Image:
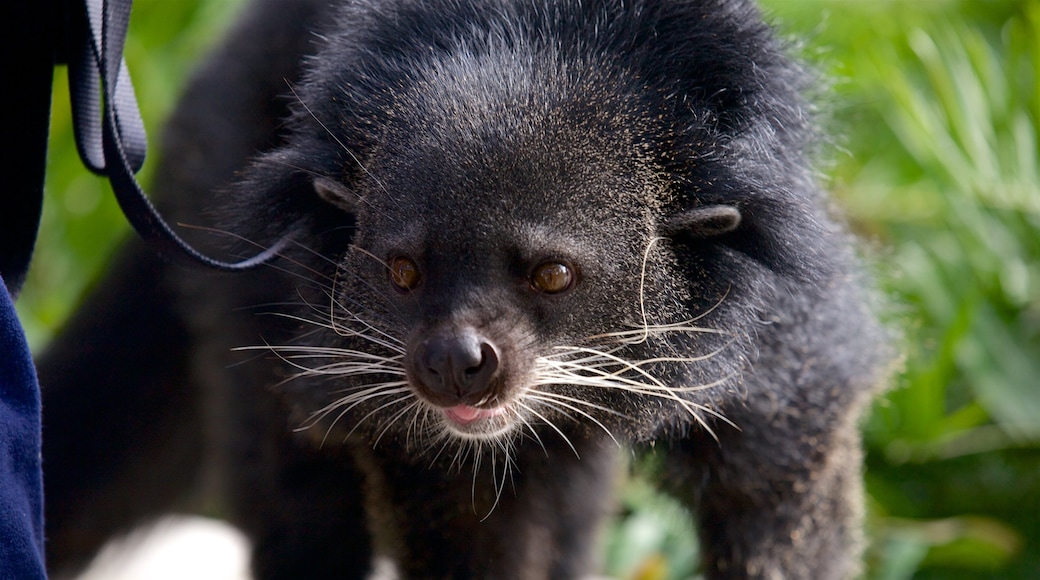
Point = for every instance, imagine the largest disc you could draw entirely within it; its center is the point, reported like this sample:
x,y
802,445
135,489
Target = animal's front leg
x,y
305,515
773,502
536,518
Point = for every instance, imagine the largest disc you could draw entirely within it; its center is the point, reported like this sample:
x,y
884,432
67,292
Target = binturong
x,y
528,239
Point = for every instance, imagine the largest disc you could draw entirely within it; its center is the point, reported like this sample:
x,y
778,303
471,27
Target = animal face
x,y
471,286
501,283
535,247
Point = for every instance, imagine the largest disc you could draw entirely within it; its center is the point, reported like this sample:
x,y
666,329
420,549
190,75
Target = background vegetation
x,y
935,109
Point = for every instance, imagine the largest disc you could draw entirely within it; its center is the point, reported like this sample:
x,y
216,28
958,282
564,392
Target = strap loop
x,y
112,142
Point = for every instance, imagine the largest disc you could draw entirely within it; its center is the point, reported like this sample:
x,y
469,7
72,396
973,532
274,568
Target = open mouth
x,y
476,423
464,415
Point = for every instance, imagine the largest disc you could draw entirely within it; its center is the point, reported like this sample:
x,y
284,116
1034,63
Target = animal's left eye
x,y
552,278
404,273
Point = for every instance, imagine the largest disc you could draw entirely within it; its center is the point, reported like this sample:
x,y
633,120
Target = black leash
x,y
118,152
110,135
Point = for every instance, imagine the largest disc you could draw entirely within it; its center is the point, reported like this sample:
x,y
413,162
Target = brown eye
x,y
404,273
552,278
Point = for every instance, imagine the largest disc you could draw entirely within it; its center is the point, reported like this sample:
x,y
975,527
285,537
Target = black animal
x,y
525,234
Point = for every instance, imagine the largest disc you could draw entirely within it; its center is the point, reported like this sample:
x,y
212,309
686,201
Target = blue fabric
x,y
21,489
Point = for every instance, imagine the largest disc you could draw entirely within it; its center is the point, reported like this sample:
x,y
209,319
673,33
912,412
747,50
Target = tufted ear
x,y
335,193
703,222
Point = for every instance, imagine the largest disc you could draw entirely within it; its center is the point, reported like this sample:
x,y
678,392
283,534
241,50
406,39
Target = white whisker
x,y
556,400
507,463
408,395
394,419
552,426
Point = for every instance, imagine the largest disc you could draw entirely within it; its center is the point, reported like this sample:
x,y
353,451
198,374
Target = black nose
x,y
455,368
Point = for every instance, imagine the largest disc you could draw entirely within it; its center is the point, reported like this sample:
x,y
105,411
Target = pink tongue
x,y
464,413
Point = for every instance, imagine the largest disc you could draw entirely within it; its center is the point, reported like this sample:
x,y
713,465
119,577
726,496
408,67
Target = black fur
x,y
495,203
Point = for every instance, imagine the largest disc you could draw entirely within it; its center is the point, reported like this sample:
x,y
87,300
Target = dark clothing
x,y
28,52
21,490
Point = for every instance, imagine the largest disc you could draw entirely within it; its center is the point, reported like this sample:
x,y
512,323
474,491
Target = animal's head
x,y
563,219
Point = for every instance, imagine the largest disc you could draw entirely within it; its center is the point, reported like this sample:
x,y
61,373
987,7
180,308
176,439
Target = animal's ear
x,y
278,193
786,238
336,194
703,222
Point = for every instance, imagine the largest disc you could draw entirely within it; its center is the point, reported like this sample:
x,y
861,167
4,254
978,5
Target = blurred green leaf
x,y
654,540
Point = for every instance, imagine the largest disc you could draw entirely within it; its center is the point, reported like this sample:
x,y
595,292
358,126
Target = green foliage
x,y
944,171
937,108
653,539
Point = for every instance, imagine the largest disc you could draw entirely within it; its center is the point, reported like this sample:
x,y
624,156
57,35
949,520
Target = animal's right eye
x,y
552,278
404,273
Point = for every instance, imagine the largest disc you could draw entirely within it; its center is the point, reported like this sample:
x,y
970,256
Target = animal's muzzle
x,y
455,368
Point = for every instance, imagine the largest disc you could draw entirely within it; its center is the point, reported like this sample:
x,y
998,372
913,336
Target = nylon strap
x,y
110,135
